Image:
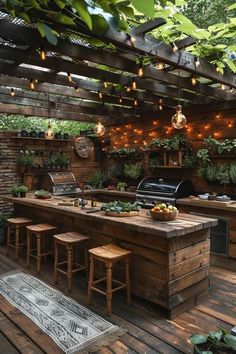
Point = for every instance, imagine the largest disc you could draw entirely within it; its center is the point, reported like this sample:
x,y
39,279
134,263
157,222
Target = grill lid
x,y
62,177
168,187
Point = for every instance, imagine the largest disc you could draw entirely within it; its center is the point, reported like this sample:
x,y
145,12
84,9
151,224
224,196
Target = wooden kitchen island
x,y
170,260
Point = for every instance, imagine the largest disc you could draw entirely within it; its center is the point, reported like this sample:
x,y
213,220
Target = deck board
x,y
147,331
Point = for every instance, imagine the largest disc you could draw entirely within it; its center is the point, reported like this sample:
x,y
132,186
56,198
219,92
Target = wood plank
x,y
41,339
6,347
15,334
187,266
188,253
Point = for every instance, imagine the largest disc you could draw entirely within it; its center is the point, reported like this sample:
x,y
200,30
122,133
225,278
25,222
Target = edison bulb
x,y
178,120
49,133
99,129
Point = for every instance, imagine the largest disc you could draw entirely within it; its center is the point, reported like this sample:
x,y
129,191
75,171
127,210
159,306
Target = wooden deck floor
x,y
147,331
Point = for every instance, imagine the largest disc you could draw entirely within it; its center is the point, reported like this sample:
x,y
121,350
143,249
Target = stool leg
x,y
127,279
55,262
90,282
28,247
8,238
69,266
38,259
17,242
109,287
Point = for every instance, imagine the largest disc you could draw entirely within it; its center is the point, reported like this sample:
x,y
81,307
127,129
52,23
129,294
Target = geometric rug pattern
x,y
74,328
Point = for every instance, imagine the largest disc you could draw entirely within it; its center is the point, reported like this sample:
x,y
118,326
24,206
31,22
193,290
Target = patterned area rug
x,y
72,326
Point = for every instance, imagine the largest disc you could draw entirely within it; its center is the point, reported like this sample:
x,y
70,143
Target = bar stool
x,y
41,231
14,228
109,254
69,240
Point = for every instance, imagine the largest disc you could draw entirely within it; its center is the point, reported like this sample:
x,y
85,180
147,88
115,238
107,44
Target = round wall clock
x,y
83,147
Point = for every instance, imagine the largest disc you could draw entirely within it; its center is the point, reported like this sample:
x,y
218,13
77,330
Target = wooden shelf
x,y
40,139
163,166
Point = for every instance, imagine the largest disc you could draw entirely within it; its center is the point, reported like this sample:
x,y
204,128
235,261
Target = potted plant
x,y
97,179
133,171
214,343
22,190
25,161
2,233
14,190
121,186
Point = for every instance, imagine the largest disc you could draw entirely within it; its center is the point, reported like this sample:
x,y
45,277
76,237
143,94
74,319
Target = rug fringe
x,y
102,342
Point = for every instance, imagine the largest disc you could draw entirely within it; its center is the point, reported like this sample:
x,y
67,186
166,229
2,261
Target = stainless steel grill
x,y
153,190
59,183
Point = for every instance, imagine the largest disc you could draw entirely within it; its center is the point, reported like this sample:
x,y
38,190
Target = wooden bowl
x,y
162,216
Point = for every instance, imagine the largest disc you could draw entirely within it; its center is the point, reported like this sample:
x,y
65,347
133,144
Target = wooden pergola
x,y
86,97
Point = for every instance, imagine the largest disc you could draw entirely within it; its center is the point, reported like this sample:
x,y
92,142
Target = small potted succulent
x,y
22,190
214,343
15,190
121,186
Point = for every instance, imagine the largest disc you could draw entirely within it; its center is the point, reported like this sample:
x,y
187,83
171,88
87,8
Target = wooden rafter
x,y
150,25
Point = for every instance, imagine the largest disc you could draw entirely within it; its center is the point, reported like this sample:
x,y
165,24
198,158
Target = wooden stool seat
x,y
108,254
69,240
41,232
14,225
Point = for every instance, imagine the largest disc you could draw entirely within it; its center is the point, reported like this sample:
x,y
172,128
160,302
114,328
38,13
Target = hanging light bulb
x,y
160,66
76,89
193,80
49,134
120,99
128,89
105,83
178,120
135,102
160,107
217,69
99,94
140,69
69,77
174,47
231,89
12,92
99,128
222,86
43,54
134,84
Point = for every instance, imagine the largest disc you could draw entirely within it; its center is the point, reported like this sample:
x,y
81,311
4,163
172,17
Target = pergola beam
x,y
29,36
150,25
185,42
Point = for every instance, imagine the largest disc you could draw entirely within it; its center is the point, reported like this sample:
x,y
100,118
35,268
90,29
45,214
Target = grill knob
x,y
160,180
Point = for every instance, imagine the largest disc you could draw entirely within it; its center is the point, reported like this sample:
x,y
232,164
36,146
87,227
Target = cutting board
x,y
214,202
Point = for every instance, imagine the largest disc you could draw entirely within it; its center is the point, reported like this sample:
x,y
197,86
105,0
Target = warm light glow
x,y
229,125
99,94
199,135
120,99
231,89
134,84
132,39
12,92
135,141
178,120
135,102
160,107
217,69
140,70
43,54
49,134
69,77
32,84
160,101
206,126
128,89
99,129
76,89
216,134
193,80
154,122
218,116
197,61
160,66
222,86
174,47
105,83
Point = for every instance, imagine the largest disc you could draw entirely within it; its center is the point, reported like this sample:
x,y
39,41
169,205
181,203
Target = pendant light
x,y
99,128
49,134
178,120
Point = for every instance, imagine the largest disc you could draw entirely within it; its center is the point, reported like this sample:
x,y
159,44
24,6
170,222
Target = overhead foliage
x,y
52,17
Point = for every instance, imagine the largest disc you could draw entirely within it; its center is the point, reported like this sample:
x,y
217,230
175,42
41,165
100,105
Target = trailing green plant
x,y
211,143
62,160
211,171
153,162
97,179
25,158
222,173
203,156
133,170
176,142
189,160
211,342
227,145
118,206
232,172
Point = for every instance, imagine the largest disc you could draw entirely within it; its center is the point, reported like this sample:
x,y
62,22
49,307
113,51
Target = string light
x,y
69,77
36,81
206,126
174,47
105,83
199,134
217,115
43,54
197,61
229,125
76,89
130,38
120,99
216,134
32,86
99,94
128,89
222,86
217,69
140,69
135,102
154,122
134,84
12,92
160,66
231,89
99,129
193,80
160,107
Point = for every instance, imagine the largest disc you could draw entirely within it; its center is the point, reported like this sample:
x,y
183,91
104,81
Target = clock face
x,y
83,147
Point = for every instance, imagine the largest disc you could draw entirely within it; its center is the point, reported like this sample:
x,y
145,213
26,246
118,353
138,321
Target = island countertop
x,y
169,263
184,224
211,204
